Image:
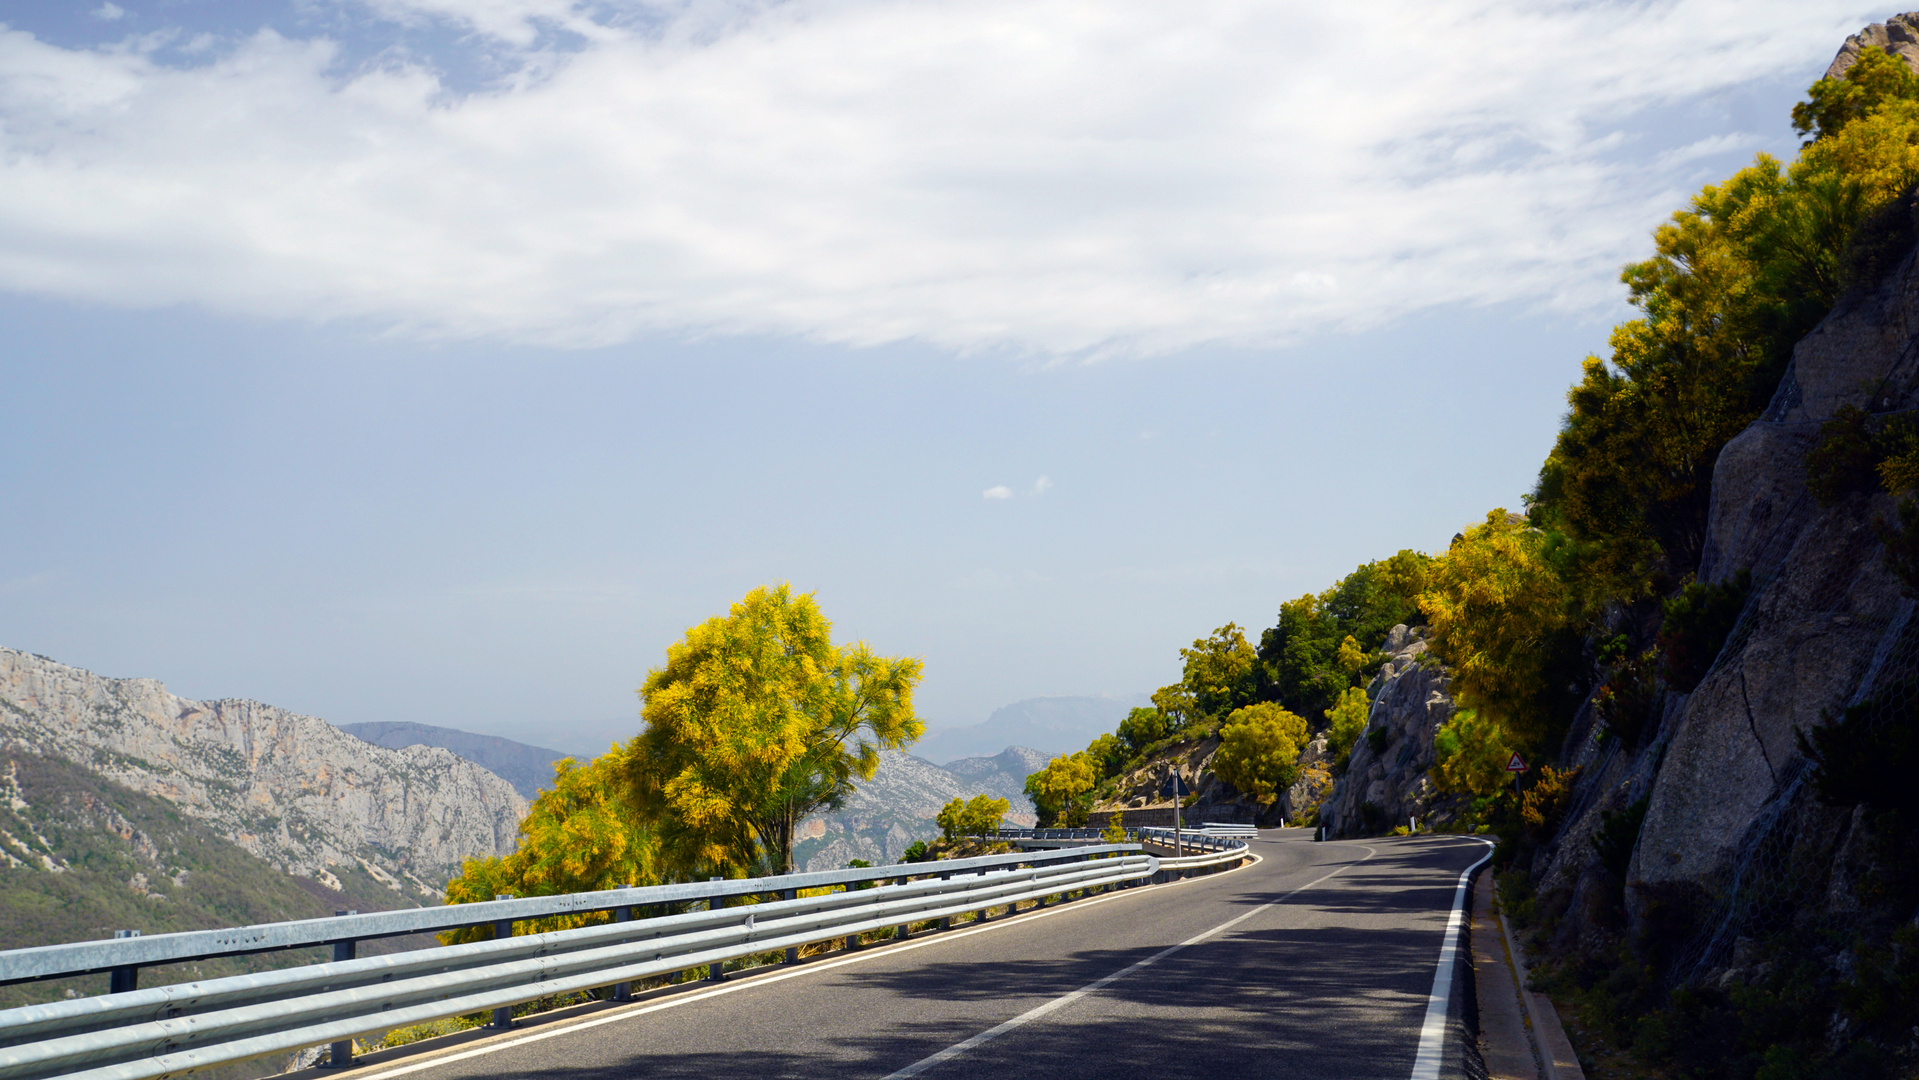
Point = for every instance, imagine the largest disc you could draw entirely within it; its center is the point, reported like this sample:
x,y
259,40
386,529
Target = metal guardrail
x,y
166,1030
1211,849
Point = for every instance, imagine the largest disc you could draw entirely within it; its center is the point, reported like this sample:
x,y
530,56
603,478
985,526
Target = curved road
x,y
1317,961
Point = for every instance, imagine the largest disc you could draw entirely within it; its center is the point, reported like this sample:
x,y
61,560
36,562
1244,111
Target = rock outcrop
x,y
527,768
1824,627
1386,780
290,789
1898,35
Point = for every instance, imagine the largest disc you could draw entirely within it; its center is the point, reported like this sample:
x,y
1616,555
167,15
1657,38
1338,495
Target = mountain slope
x,y
1053,725
527,768
289,789
897,806
81,857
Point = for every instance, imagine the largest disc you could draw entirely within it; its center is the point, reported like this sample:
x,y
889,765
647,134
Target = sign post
x,y
1516,766
1177,787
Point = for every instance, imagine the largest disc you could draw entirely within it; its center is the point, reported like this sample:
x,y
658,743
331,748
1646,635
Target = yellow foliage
x,y
1472,752
1259,750
979,816
1346,720
758,720
1496,607
580,835
1056,789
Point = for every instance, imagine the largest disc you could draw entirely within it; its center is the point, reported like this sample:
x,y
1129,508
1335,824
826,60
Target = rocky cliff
x,y
1385,781
290,789
1733,840
527,768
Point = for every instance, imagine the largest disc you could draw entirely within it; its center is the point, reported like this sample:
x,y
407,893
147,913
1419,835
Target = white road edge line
x,y
1035,1013
688,998
1432,1033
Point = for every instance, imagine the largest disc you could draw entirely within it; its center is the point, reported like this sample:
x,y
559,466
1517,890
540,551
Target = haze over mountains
x,y
1050,725
128,806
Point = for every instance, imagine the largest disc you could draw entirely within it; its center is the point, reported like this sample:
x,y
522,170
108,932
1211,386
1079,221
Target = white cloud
x,y
1041,486
109,11
998,491
1056,176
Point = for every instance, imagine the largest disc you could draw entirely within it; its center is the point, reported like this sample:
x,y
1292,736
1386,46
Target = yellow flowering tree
x,y
757,721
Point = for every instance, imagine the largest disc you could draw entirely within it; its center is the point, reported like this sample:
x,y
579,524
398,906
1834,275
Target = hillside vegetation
x,y
82,857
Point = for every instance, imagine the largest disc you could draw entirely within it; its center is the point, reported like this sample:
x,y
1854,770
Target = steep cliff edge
x,y
290,789
1734,844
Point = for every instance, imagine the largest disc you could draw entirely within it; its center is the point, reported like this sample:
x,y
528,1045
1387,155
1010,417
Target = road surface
x,y
1315,962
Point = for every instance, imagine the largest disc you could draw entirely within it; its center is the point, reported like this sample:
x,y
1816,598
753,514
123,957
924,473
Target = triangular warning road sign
x,y
1517,764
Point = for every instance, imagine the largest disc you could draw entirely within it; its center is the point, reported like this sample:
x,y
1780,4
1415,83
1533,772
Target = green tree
x,y
1060,789
1874,79
1108,754
978,816
1345,721
1306,660
1471,751
756,722
1259,750
1143,727
1499,612
1115,830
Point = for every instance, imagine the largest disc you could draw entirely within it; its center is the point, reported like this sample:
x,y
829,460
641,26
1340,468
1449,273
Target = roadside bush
x,y
1696,622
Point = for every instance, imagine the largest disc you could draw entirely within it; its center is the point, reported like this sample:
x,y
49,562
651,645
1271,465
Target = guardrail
x,y
1209,849
133,1034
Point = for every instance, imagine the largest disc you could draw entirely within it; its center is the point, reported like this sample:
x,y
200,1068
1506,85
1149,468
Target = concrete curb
x,y
1556,1058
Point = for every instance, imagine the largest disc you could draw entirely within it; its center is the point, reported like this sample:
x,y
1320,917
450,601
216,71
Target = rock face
x,y
897,806
527,768
290,789
1898,35
1386,778
1728,811
1825,624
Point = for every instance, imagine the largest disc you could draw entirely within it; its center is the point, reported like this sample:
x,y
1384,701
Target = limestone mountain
x,y
82,857
289,789
897,806
527,768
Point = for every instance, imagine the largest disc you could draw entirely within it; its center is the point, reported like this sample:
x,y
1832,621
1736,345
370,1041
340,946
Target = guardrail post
x,y
623,991
340,1055
905,929
122,980
946,921
502,929
792,951
716,971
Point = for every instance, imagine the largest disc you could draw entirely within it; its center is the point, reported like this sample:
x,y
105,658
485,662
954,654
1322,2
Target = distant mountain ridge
x,y
290,789
1050,725
897,806
527,768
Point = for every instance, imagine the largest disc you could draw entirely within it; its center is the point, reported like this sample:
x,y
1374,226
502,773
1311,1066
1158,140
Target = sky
x,y
444,360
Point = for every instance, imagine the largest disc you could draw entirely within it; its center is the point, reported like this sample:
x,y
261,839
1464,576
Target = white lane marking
x,y
1432,1034
689,997
1035,1013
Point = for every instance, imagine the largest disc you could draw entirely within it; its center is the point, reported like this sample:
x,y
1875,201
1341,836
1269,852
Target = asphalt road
x,y
1316,962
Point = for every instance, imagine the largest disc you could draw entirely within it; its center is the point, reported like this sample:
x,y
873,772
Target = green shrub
x,y
1902,547
1696,622
1614,840
1865,754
